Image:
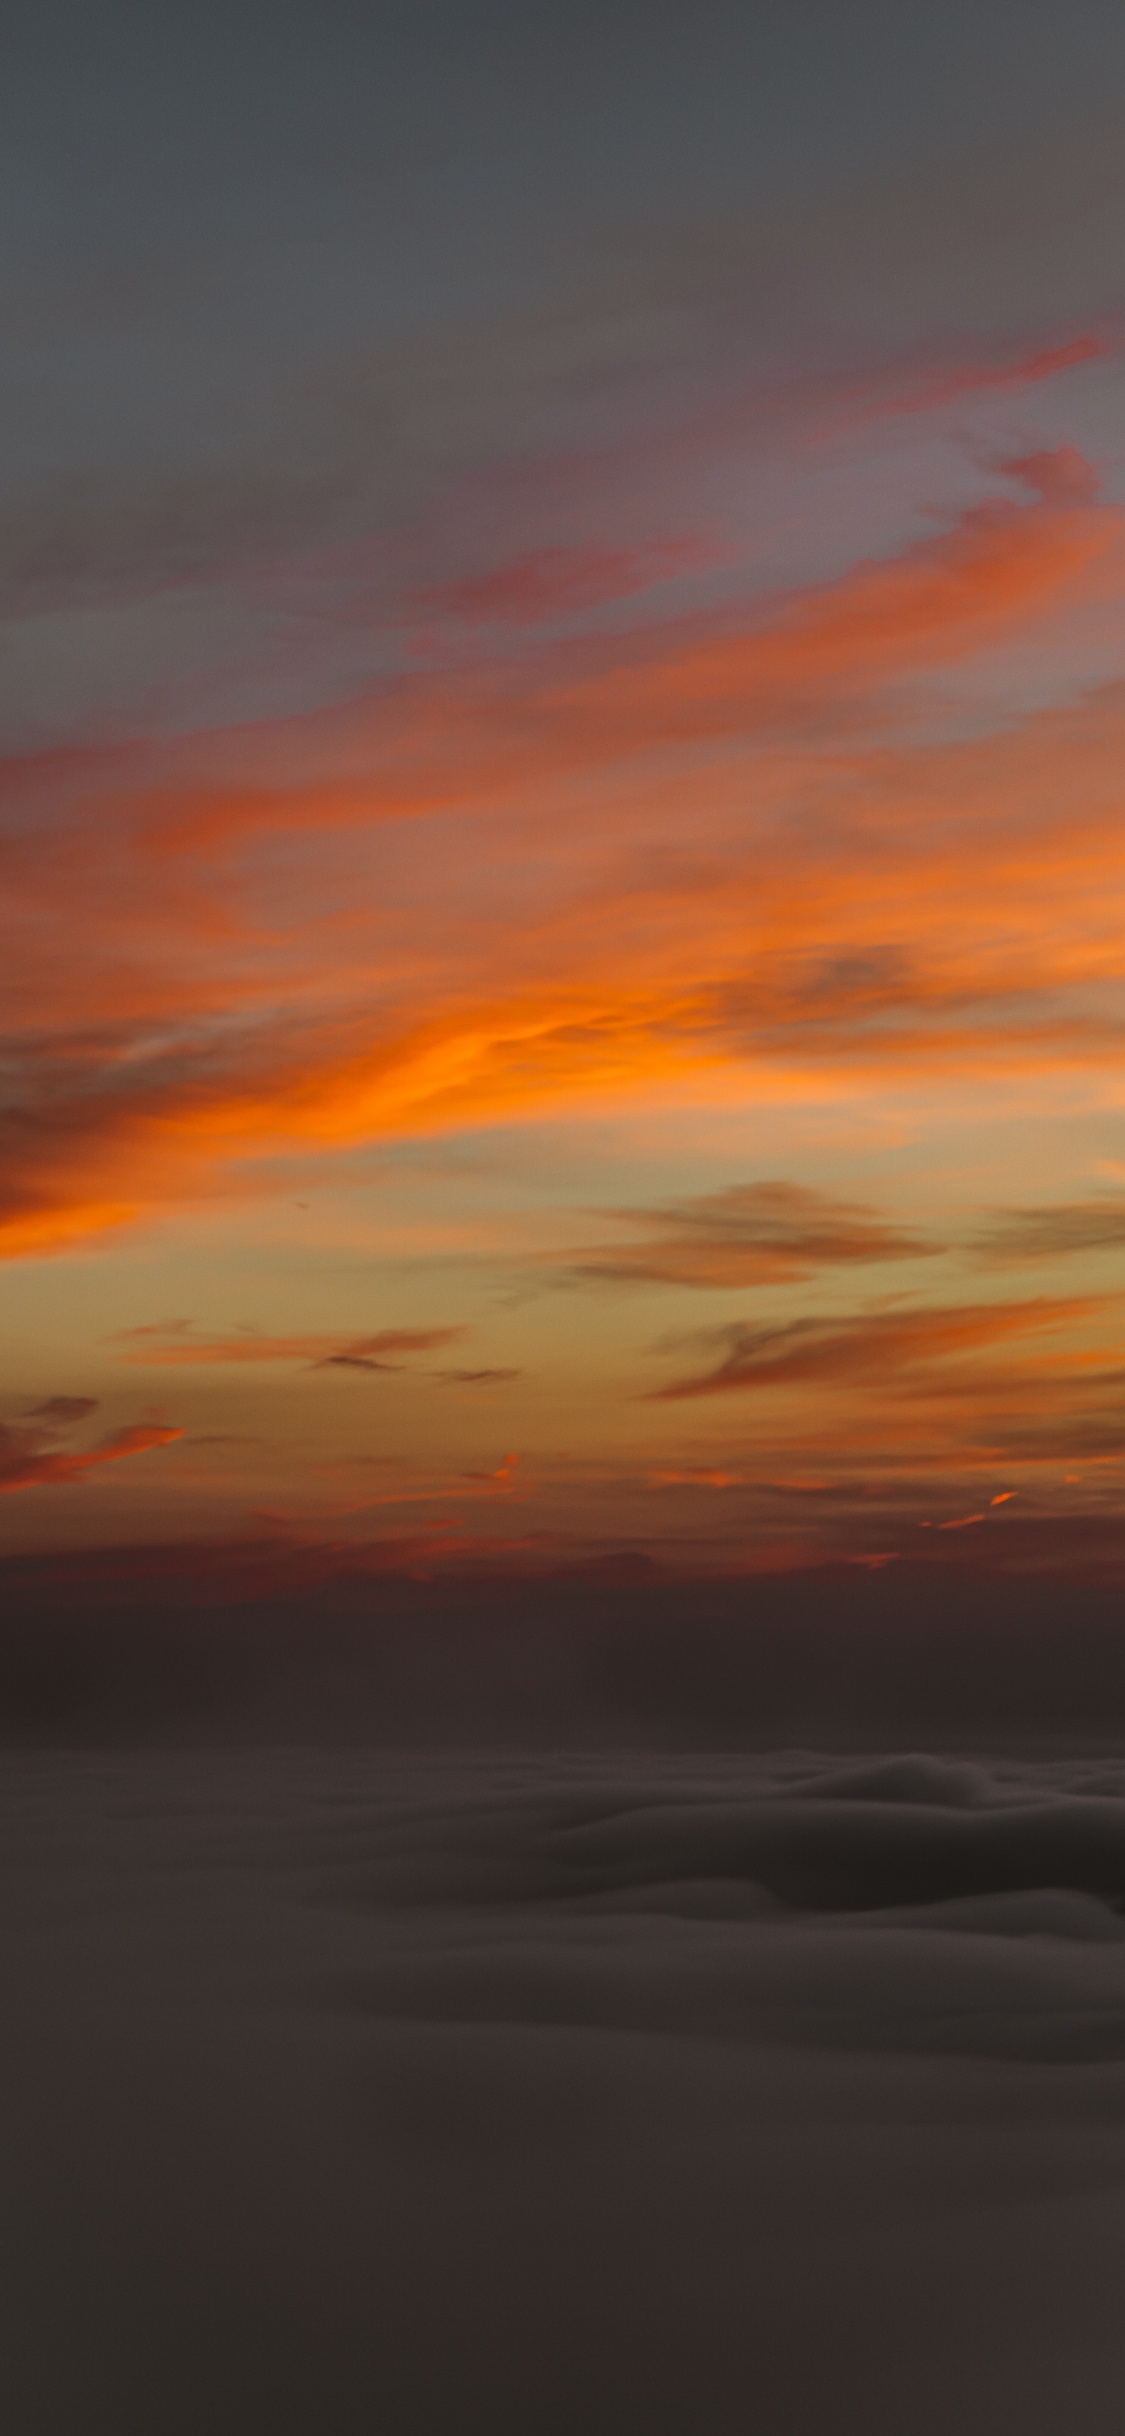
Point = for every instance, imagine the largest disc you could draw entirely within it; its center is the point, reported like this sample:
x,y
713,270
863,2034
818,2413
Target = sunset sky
x,y
563,782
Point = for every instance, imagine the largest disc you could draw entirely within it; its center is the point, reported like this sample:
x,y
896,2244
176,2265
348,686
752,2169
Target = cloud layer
x,y
573,2084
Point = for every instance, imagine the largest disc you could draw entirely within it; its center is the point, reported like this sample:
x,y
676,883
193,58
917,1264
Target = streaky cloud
x,y
1058,1231
746,1235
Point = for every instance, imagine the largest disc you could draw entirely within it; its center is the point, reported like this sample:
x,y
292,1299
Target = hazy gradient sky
x,y
563,724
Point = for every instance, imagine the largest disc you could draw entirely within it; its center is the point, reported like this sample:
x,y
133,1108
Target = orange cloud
x,y
940,603
465,738
26,1464
547,584
910,390
705,858
877,1347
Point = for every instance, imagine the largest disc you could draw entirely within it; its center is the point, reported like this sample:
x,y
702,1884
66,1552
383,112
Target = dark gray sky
x,y
224,227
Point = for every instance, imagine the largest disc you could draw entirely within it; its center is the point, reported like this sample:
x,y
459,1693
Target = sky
x,y
563,709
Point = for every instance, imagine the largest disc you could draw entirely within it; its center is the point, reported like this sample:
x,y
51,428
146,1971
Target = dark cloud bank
x,y
270,1640
756,2085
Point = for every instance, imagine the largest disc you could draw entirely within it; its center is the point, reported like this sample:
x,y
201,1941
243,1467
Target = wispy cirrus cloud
x,y
746,1235
469,736
918,389
63,1412
98,535
547,585
1059,1231
173,1346
478,1378
879,1348
751,1235
26,1462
